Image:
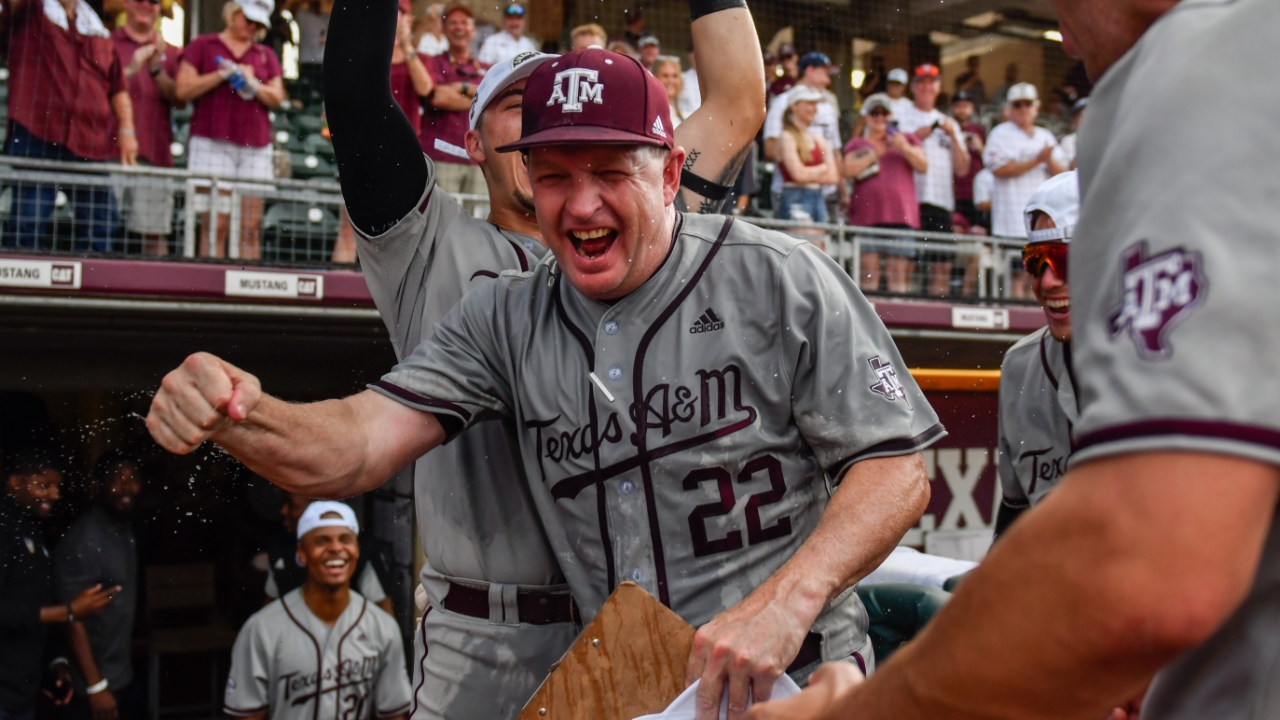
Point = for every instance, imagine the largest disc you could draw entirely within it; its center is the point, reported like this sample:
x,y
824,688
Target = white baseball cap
x,y
500,76
1022,91
804,93
258,11
878,100
312,517
1059,198
899,75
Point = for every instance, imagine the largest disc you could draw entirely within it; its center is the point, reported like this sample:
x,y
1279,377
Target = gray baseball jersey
x,y
1177,310
1037,410
688,436
475,524
289,665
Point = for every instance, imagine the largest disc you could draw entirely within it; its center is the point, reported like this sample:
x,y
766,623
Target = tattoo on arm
x,y
727,175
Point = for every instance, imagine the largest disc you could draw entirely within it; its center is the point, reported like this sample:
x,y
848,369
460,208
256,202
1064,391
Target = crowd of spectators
x,y
917,159
972,156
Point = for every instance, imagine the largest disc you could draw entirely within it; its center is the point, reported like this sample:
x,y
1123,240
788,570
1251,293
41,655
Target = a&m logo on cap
x,y
576,86
1159,292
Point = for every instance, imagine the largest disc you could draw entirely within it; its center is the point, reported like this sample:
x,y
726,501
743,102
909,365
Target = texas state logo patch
x,y
1159,291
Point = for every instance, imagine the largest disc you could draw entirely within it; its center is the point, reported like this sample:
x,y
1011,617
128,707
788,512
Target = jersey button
x,y
611,328
615,372
627,487
636,575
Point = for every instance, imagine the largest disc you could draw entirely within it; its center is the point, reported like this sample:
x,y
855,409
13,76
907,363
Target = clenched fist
x,y
200,398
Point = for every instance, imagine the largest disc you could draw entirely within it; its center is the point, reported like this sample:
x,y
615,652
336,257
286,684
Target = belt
x,y
536,607
810,653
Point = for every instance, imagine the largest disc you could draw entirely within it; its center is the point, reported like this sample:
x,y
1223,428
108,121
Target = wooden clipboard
x,y
629,661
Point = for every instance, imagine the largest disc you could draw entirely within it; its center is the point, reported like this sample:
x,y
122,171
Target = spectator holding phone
x,y
940,137
99,550
234,82
882,165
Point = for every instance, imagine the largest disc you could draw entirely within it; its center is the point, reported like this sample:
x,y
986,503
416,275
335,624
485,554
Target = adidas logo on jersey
x,y
658,128
709,322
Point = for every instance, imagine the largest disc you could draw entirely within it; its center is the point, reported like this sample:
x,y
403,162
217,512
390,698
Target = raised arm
x,y
333,448
380,162
719,134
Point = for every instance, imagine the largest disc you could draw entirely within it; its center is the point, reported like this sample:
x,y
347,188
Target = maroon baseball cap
x,y
593,96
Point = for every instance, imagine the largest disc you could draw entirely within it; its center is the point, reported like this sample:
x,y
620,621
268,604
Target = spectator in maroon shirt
x,y
455,75
410,80
230,128
66,87
150,66
883,164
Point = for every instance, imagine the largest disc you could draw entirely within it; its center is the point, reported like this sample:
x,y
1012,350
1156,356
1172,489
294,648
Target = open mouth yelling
x,y
1058,308
592,244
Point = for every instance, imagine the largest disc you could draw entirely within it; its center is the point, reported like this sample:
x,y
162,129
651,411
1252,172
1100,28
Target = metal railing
x,y
108,209
916,263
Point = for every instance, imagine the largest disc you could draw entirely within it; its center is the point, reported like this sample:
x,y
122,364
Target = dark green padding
x,y
898,611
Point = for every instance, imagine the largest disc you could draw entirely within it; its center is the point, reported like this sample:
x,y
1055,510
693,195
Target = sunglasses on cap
x,y
1038,256
514,10
879,112
927,71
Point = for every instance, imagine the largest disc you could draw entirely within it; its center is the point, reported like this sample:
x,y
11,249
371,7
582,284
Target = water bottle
x,y
235,77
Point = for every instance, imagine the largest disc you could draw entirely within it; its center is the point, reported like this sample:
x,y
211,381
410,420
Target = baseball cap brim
x,y
484,95
579,135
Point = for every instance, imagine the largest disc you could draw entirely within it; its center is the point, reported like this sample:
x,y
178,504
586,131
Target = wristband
x,y
122,131
698,8
155,70
97,687
703,186
71,616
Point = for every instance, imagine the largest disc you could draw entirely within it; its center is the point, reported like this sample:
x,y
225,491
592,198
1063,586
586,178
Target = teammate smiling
x,y
321,651
1038,403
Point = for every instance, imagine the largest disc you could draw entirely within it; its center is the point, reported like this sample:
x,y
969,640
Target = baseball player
x,y
1160,549
707,408
322,651
1038,404
420,253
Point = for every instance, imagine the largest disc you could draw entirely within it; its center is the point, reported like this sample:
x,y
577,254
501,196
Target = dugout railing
x,y
61,208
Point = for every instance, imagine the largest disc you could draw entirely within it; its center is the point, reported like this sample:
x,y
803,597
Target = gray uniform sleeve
x,y
1177,319
394,264
249,682
391,695
458,372
851,395
369,585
